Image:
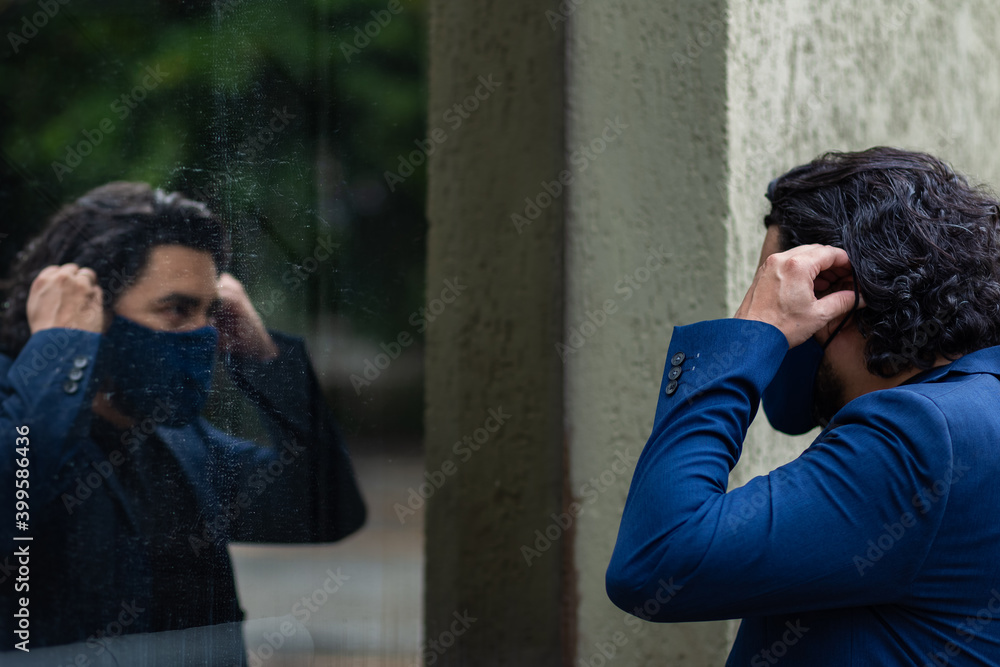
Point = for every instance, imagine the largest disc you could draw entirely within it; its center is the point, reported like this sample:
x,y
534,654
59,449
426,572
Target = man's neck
x,y
104,408
869,382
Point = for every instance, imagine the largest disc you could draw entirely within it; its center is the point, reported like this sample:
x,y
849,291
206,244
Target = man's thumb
x,y
838,304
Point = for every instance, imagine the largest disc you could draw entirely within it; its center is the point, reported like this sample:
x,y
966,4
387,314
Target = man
x,y
112,322
875,312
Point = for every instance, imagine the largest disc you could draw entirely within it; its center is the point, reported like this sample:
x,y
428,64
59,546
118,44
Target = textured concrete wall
x,y
492,347
655,190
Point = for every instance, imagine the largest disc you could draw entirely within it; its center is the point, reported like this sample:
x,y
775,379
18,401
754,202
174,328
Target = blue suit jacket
x,y
88,568
878,545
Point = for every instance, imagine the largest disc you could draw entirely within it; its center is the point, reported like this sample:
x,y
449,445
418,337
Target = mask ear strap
x,y
857,301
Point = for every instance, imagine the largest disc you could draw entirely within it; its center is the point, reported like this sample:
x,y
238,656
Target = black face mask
x,y
149,368
789,401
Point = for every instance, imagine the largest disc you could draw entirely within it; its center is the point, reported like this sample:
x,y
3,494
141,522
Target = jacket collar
x,y
986,361
189,445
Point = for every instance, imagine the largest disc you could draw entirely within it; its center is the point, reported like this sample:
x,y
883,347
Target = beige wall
x,y
718,97
657,187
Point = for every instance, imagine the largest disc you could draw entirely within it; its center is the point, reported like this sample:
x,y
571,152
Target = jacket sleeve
x,y
48,389
302,488
841,525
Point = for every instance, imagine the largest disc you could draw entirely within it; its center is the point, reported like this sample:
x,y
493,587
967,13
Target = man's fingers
x,y
801,290
47,271
835,274
836,305
88,273
65,296
228,281
821,258
821,285
68,270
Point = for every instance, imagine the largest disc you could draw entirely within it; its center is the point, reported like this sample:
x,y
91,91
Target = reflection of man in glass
x,y
112,320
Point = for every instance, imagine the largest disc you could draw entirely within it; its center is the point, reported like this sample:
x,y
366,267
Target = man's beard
x,y
828,393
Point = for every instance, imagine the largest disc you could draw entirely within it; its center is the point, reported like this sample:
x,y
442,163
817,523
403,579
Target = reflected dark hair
x,y
110,229
923,243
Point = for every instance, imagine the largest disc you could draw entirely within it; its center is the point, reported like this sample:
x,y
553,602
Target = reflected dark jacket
x,y
87,567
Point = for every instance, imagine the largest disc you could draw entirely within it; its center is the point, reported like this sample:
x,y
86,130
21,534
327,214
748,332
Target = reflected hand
x,y
65,296
241,328
785,288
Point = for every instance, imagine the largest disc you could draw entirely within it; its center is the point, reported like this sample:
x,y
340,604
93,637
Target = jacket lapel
x,y
189,446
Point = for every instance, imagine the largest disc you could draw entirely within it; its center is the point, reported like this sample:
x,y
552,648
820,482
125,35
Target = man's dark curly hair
x,y
923,243
111,230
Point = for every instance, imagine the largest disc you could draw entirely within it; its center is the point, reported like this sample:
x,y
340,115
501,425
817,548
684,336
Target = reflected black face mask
x,y
153,372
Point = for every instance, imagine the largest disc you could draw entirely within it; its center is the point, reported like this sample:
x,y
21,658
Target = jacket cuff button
x,y
671,387
678,359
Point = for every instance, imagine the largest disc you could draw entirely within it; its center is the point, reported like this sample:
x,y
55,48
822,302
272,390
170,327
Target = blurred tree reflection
x,y
284,115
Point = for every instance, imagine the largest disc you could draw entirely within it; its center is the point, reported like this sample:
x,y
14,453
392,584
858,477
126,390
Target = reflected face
x,y
176,291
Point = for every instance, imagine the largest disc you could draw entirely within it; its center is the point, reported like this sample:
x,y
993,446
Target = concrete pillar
x,y
646,244
492,348
675,116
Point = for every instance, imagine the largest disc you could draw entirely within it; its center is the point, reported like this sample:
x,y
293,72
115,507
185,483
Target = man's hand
x,y
241,329
65,296
784,291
